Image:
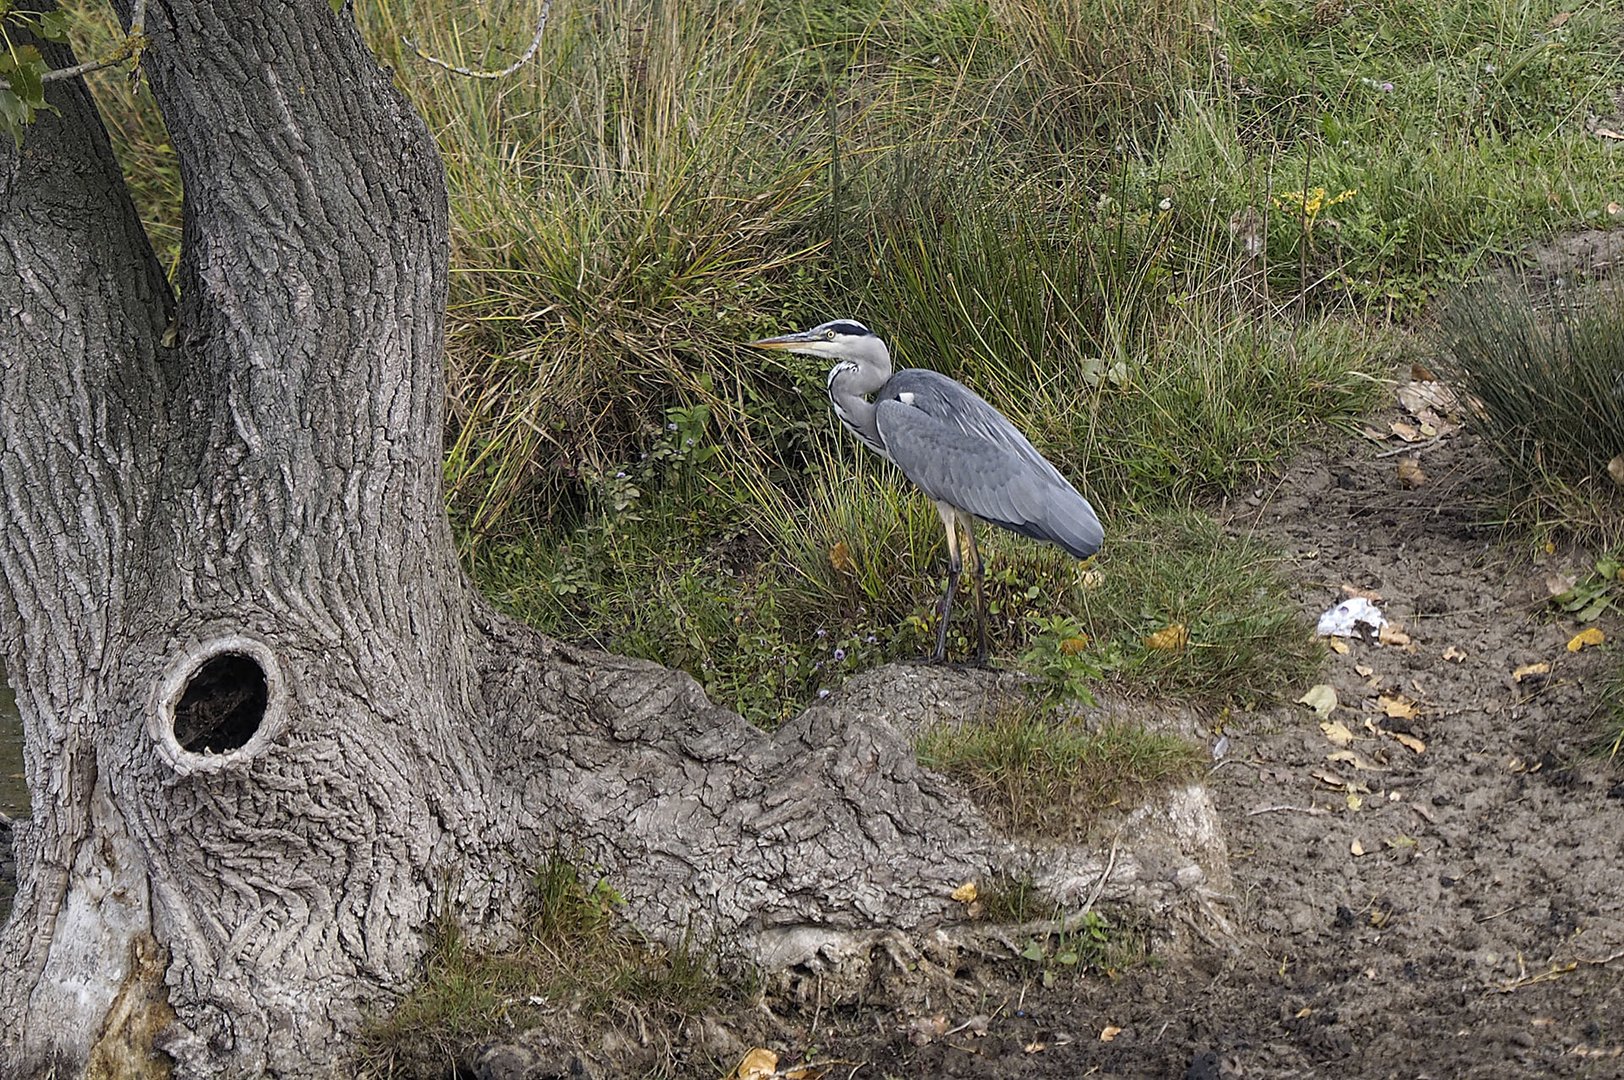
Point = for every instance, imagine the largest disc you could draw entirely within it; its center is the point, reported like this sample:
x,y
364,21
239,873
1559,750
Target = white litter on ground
x,y
1345,619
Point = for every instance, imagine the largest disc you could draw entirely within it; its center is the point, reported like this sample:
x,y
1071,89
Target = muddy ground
x,y
1481,931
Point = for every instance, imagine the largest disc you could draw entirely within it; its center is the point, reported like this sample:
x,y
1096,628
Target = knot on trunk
x,y
219,706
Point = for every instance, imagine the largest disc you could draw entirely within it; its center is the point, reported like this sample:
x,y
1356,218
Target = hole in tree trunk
x,y
222,705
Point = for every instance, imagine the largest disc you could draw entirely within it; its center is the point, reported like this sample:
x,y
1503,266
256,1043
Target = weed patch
x,y
1035,773
574,957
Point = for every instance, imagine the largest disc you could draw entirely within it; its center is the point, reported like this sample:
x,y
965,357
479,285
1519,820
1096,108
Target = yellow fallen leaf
x,y
1615,469
1590,635
1392,635
1035,1047
1337,645
1109,1032
1351,757
1407,432
965,893
1354,801
1409,742
1364,669
1169,638
758,1064
1356,848
1399,708
1541,668
1074,645
1410,474
840,558
1337,732
1304,1012
1321,697
1454,654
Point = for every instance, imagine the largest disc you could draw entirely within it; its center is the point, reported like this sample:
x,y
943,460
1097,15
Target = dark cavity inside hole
x,y
223,705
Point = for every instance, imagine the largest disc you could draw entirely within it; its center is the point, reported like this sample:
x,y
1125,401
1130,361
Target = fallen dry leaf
x,y
1559,19
1399,708
1392,635
1353,591
1168,638
1418,397
1421,373
1614,209
1409,742
1354,758
924,1030
965,893
1332,780
1321,697
758,1064
1590,635
1074,645
1337,733
1355,802
840,558
1410,474
1365,670
1615,469
1454,654
1407,432
1356,849
1609,133
1035,1047
1557,584
1109,1032
1337,645
1541,668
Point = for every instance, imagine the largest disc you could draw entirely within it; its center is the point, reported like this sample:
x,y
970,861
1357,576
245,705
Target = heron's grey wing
x,y
988,480
955,404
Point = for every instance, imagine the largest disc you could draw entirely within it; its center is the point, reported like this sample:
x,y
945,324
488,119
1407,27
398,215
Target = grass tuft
x,y
576,957
1037,774
1545,376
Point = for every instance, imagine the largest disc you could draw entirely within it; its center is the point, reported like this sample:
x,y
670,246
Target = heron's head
x,y
838,339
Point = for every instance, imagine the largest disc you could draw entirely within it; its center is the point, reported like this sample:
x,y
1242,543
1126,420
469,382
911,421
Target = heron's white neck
x,y
850,383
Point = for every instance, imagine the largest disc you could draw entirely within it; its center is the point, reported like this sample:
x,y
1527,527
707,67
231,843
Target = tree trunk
x,y
269,728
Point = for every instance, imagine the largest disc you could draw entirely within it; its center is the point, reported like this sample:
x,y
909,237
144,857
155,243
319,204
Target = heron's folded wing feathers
x,y
987,478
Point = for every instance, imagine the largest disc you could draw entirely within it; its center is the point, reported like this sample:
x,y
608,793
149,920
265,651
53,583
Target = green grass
x,y
1546,375
576,958
1036,773
1169,239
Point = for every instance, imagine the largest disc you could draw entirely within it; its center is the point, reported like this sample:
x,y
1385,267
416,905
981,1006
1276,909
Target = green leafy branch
x,y
24,73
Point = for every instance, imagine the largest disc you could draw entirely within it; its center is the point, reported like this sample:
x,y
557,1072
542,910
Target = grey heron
x,y
960,451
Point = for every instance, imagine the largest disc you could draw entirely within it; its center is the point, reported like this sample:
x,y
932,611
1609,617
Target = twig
x,y
535,43
1315,810
1556,972
1099,886
1605,959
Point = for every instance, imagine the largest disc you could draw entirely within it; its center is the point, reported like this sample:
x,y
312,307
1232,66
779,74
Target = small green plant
x,y
1058,656
1590,597
1088,943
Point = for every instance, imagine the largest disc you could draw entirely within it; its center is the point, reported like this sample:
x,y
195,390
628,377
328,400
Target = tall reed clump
x,y
1544,377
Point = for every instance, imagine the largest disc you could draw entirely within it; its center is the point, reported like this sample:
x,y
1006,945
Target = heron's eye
x,y
828,335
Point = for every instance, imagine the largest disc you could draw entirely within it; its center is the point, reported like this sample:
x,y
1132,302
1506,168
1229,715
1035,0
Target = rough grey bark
x,y
253,471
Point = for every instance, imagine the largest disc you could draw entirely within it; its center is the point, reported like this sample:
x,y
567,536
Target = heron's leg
x,y
954,565
979,569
